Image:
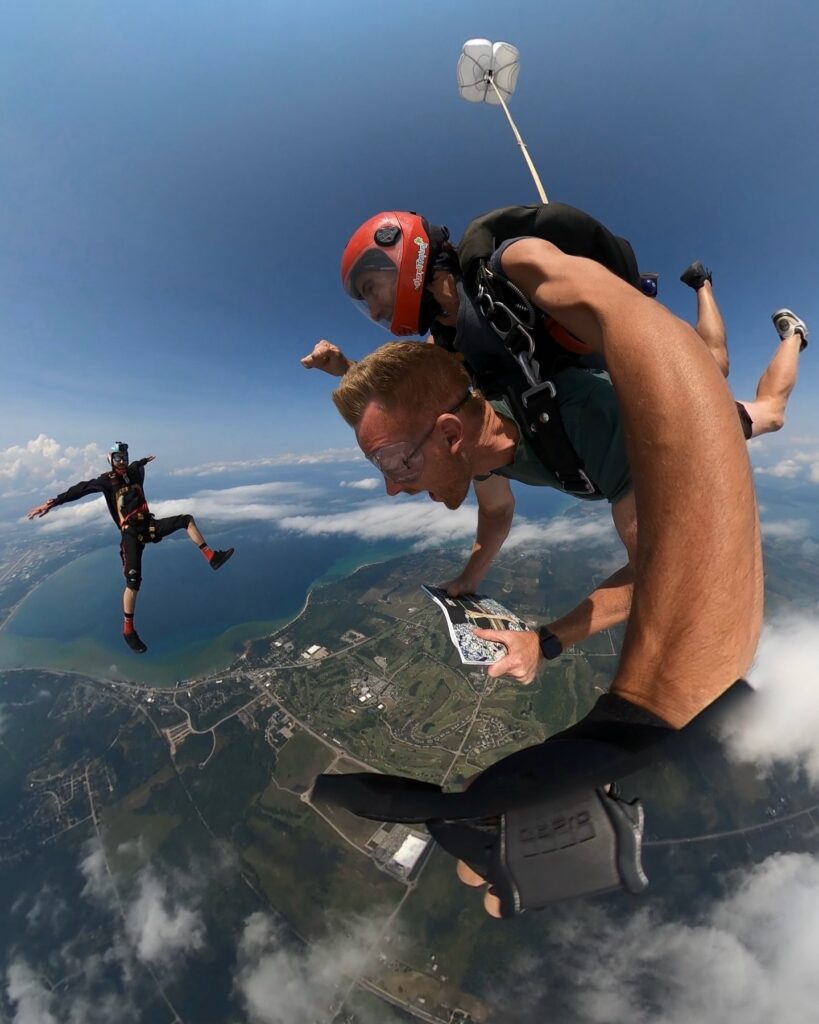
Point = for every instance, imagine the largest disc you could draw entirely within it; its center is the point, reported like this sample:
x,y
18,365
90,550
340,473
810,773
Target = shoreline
x,y
231,667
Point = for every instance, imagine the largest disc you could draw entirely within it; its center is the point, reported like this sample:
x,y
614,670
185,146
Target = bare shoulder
x,y
577,291
531,262
529,254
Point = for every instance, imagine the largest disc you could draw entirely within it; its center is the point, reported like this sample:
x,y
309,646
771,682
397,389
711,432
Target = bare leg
x,y
711,327
216,559
767,411
129,634
689,637
194,534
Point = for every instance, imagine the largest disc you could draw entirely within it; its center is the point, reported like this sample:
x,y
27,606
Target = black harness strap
x,y
514,319
539,350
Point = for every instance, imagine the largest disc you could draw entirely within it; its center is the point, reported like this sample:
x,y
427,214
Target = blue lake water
x,y
192,618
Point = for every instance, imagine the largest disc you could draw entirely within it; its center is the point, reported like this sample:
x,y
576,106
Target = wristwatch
x,y
550,646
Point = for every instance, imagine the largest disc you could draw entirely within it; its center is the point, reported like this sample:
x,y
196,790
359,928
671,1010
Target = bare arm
x,y
328,357
496,509
610,603
697,606
41,510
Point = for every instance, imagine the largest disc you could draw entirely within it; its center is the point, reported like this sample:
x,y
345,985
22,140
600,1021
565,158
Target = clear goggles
x,y
403,461
374,294
119,458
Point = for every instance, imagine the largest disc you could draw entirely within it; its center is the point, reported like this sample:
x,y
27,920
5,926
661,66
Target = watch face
x,y
550,646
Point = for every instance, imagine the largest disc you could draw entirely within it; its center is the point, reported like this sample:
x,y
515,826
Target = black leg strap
x,y
540,825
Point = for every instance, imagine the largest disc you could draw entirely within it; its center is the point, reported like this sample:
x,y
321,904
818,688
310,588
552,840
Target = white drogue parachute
x,y
488,73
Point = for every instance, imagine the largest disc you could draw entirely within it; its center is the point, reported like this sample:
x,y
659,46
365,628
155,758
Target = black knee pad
x,y
133,580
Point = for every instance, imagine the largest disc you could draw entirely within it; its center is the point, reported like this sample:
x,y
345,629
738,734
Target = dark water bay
x,y
194,620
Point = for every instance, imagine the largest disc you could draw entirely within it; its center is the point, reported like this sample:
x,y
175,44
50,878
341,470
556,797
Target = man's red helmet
x,y
384,270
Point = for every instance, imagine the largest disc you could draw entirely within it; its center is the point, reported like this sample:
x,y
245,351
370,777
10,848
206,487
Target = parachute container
x,y
481,63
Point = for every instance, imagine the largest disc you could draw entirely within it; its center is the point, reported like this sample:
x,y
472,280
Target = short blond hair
x,y
409,376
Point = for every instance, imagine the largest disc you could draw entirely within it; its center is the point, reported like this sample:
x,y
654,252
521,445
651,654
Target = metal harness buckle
x,y
514,332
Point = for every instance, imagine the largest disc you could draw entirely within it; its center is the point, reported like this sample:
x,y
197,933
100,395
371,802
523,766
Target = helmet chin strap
x,y
430,311
439,259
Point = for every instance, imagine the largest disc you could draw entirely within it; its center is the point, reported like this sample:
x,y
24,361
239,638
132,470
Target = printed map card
x,y
464,613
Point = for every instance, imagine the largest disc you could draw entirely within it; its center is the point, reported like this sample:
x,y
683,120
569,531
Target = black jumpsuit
x,y
126,502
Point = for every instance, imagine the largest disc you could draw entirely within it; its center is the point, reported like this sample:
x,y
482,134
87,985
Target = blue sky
x,y
179,181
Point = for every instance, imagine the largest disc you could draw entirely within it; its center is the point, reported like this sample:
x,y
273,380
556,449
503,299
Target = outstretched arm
x,y
496,509
40,510
72,494
697,606
328,357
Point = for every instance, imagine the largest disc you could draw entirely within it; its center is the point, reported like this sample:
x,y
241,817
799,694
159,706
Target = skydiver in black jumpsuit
x,y
122,489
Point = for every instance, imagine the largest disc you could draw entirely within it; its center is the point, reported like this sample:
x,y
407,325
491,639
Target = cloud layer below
x,y
749,959
282,984
781,723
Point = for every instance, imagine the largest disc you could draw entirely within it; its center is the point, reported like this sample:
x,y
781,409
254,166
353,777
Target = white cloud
x,y
751,957
290,506
266,502
90,996
31,1001
786,530
787,468
802,464
369,483
280,984
332,455
431,523
152,922
426,521
781,722
44,464
86,514
807,439
48,909
98,882
809,549
562,530
157,926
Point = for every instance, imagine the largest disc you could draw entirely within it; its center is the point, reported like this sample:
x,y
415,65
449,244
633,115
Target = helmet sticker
x,y
420,261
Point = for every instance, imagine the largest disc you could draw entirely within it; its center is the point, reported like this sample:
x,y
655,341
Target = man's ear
x,y
453,431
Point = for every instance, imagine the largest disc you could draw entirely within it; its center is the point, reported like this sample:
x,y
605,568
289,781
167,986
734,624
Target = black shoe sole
x,y
695,278
135,644
217,563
